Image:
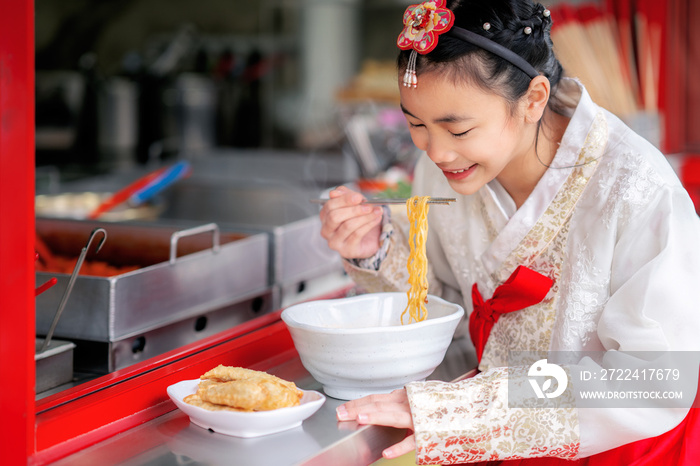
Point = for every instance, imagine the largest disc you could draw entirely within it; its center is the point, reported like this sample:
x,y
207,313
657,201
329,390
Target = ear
x,y
536,99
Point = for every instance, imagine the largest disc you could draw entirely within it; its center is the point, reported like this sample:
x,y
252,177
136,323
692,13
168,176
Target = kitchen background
x,y
125,83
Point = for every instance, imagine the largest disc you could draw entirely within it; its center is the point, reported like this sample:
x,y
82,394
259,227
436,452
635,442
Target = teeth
x,y
457,171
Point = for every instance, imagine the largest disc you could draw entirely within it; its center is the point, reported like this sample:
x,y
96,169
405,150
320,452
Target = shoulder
x,y
632,162
633,176
629,153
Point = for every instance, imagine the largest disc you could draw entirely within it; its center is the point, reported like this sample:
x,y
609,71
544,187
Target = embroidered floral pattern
x,y
560,209
585,295
632,188
543,250
423,23
587,291
475,422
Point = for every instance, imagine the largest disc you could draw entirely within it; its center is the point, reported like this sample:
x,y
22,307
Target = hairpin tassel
x,y
409,78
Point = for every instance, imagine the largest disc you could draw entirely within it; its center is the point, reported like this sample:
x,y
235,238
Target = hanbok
x,y
613,229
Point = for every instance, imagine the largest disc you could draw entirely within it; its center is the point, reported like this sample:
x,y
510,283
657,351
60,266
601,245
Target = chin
x,y
465,188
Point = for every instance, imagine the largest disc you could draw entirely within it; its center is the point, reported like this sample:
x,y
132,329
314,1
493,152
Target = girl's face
x,y
468,133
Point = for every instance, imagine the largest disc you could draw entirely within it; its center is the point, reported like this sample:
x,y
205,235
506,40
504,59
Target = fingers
x,y
395,415
349,227
387,410
341,197
390,409
341,205
350,236
396,396
405,446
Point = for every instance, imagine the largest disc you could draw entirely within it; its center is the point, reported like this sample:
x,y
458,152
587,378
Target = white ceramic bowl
x,y
357,346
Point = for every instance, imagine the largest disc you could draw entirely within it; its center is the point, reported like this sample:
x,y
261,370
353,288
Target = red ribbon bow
x,y
524,288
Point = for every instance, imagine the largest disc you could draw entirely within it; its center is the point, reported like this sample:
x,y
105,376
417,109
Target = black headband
x,y
495,48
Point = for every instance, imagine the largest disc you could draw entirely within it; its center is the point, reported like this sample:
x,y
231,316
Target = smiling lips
x,y
459,174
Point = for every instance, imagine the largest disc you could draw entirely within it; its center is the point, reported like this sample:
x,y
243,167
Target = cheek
x,y
420,139
497,147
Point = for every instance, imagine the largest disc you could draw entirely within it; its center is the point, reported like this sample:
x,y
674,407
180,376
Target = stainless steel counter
x,y
321,440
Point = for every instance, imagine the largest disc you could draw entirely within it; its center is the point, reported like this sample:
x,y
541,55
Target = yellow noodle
x,y
417,209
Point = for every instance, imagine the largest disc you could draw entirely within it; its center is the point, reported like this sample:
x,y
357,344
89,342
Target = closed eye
x,y
457,135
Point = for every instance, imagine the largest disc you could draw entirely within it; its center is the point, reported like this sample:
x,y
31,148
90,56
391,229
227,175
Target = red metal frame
x,y
17,328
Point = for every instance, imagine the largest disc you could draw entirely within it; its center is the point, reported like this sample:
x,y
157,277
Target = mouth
x,y
459,174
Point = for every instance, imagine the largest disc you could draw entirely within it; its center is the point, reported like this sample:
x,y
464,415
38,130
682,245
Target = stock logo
x,y
541,374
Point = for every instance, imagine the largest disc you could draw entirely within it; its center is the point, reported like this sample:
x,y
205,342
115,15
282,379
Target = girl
x,y
558,203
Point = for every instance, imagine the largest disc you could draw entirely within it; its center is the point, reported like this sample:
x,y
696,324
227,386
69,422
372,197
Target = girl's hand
x,y
390,409
351,228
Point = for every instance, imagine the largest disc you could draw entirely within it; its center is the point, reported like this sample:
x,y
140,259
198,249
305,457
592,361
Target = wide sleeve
x,y
653,314
471,421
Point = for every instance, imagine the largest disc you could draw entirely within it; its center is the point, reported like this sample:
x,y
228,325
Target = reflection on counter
x,y
320,441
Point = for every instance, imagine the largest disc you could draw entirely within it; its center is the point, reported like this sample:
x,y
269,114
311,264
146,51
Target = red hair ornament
x,y
423,23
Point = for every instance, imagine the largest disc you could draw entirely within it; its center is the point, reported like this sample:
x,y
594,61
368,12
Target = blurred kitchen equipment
x,y
124,194
54,366
169,176
134,202
54,358
59,96
190,113
378,138
175,52
268,191
143,189
77,205
119,320
118,122
71,282
301,260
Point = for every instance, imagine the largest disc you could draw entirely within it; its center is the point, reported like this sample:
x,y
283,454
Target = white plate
x,y
245,424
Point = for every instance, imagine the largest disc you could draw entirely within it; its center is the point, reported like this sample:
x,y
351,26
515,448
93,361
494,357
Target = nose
x,y
439,150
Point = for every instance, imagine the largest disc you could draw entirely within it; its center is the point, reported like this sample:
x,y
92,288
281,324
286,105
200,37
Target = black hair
x,y
464,62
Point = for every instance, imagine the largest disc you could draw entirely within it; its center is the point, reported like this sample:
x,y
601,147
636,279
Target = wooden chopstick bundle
x,y
587,43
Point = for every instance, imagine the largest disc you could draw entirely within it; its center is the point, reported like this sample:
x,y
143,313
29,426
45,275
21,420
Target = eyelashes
x,y
458,135
455,135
